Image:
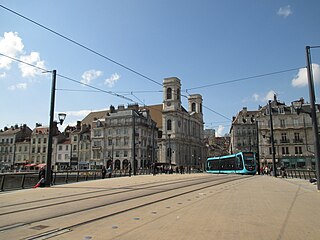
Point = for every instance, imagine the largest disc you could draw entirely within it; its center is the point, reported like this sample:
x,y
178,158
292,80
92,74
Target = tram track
x,y
64,201
102,190
114,207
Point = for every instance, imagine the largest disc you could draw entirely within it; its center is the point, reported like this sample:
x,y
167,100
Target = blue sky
x,y
201,42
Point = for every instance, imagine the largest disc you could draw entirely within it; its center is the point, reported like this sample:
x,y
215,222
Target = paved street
x,y
195,206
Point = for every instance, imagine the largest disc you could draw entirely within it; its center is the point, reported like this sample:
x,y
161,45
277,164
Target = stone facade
x,y
293,134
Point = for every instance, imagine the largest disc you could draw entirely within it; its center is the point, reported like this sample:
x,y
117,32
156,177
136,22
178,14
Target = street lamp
x,y
61,117
272,142
169,150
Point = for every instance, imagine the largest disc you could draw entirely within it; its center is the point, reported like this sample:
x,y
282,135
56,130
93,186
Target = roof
x,y
156,114
94,115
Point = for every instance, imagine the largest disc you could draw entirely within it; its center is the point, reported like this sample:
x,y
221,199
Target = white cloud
x,y
112,80
11,45
285,11
80,113
90,75
18,86
269,96
255,97
34,59
220,131
301,79
3,75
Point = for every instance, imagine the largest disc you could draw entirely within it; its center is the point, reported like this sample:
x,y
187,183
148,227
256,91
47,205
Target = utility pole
x,y
313,114
134,142
257,153
272,142
49,152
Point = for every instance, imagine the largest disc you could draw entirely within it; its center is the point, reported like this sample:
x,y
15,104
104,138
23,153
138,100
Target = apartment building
x,y
292,131
13,153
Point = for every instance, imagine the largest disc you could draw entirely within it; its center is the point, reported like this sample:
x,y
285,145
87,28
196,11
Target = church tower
x,y
195,104
171,94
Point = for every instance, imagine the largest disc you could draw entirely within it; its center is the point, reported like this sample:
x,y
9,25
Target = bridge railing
x,y
300,173
24,180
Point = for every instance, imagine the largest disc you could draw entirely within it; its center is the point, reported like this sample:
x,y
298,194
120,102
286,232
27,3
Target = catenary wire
x,y
68,78
81,45
245,78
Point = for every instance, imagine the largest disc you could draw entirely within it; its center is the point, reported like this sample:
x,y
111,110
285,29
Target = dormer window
x,y
281,110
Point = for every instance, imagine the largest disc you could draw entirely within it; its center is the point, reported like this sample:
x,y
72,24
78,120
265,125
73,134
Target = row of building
x,y
165,134
292,132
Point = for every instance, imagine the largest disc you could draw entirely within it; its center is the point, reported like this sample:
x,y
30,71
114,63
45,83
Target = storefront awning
x,y
30,165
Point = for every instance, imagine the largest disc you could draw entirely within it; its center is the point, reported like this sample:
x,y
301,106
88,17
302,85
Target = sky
x,y
117,52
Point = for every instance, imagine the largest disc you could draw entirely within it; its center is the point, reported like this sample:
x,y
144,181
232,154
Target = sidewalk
x,y
258,207
262,207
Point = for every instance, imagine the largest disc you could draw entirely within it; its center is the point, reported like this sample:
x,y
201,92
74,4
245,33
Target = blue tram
x,y
242,163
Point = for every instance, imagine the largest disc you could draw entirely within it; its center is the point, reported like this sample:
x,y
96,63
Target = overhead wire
x,y
132,70
81,45
68,78
244,78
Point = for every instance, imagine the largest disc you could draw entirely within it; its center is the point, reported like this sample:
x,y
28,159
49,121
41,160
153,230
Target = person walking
x,y
103,172
42,175
129,169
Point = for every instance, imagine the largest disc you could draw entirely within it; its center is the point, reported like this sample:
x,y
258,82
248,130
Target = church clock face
x,y
168,104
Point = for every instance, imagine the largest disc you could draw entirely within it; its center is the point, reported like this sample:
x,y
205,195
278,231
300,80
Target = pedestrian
x,y
129,169
42,175
109,170
103,172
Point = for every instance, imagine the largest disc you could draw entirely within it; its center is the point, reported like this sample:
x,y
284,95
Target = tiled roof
x,y
94,115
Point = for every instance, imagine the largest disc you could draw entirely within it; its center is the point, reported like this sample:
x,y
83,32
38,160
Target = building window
x,y
178,94
298,150
109,141
296,137
60,147
39,140
126,141
193,107
285,150
281,110
169,93
169,125
282,123
125,153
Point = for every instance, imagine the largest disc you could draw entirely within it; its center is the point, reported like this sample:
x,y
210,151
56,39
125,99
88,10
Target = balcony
x,y
297,140
284,141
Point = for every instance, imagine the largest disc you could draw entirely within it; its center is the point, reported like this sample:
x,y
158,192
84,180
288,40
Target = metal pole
x,y
313,115
169,135
49,152
257,153
272,142
134,142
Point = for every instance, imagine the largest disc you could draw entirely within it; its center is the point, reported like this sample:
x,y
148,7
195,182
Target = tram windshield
x,y
248,158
